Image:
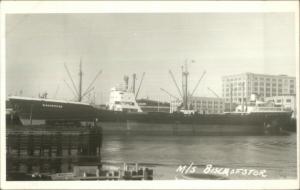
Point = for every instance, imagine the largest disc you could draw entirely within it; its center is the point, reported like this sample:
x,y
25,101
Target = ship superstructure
x,y
122,100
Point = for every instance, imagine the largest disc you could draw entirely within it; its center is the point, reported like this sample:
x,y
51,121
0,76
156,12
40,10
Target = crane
x,y
204,72
137,93
71,89
87,92
173,78
73,83
93,81
169,94
213,92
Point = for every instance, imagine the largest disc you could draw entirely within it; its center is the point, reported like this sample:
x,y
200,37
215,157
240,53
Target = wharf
x,y
31,149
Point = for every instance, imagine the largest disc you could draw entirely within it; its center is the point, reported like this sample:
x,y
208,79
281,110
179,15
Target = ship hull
x,y
140,128
43,111
46,112
178,124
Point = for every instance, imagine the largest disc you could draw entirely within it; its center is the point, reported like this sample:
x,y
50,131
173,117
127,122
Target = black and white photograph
x,y
150,94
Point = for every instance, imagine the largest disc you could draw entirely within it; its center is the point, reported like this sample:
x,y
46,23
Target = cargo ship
x,y
126,117
123,115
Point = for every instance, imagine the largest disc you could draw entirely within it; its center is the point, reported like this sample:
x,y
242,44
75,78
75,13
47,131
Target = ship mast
x,y
80,83
185,74
184,93
79,94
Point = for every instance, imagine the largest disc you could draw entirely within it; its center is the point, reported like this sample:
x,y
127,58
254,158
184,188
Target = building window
x,y
288,101
278,101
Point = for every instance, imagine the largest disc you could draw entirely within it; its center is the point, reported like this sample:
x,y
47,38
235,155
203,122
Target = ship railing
x,y
274,109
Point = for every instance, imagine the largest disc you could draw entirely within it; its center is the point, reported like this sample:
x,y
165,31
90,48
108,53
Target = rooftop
x,y
259,74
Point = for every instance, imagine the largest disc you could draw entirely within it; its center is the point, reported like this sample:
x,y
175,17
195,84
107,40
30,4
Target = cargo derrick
x,y
184,93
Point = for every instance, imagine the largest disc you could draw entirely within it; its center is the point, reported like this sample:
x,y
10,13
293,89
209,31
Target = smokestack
x,y
133,82
126,79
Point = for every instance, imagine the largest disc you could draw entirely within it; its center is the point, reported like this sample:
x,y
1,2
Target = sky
x,y
38,46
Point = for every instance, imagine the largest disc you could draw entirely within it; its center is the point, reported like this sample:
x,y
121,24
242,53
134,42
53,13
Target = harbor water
x,y
274,154
170,157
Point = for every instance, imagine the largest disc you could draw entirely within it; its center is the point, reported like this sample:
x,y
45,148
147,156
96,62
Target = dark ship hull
x,y
52,112
113,122
31,111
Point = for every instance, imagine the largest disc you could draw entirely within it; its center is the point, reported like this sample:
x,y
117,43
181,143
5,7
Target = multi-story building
x,y
235,87
207,105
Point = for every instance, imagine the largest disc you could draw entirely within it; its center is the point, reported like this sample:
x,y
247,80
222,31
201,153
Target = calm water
x,y
59,152
275,154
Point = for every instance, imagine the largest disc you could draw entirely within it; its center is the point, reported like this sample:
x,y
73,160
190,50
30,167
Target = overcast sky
x,y
38,45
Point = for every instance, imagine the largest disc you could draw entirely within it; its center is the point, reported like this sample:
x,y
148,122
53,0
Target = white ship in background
x,y
256,106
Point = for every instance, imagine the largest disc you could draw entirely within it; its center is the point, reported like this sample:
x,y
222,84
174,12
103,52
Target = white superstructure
x,y
255,105
123,100
288,102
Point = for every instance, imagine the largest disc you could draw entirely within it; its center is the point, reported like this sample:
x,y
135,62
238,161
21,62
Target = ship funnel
x,y
126,79
133,82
